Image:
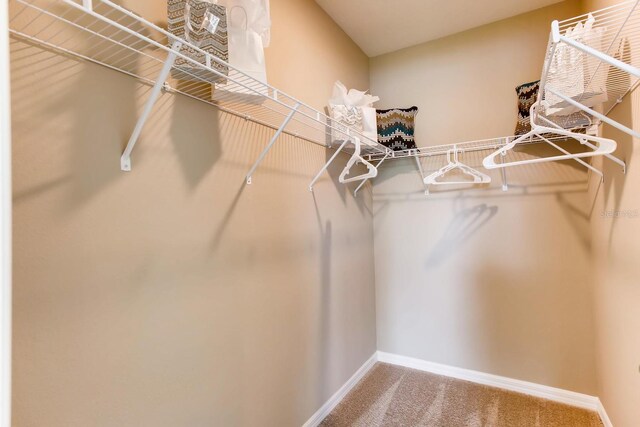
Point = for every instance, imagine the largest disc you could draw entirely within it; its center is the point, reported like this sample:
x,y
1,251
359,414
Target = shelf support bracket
x,y
421,171
594,113
503,175
273,141
326,166
364,181
125,160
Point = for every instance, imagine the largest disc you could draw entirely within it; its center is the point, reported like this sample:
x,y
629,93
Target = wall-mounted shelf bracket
x,y
594,113
421,171
503,175
125,160
273,141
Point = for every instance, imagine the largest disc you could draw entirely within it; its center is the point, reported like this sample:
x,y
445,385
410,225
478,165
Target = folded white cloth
x,y
575,74
354,108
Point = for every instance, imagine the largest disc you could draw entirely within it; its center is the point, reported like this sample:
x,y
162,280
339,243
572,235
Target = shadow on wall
x,y
125,261
464,225
494,281
100,111
296,162
615,180
324,314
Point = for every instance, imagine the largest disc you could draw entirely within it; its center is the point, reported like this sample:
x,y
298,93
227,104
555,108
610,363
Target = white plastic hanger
x,y
454,163
355,158
602,146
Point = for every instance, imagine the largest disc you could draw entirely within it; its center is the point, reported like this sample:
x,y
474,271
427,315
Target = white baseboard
x,y
603,415
532,389
333,401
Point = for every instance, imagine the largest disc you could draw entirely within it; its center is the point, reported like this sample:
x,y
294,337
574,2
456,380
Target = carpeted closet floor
x,y
395,396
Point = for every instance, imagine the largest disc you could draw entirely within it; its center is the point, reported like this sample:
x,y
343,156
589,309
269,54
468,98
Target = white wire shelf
x,y
591,64
102,32
105,33
589,67
469,146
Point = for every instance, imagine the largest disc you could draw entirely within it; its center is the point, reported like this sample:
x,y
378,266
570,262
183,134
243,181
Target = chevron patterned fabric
x,y
527,95
215,44
396,128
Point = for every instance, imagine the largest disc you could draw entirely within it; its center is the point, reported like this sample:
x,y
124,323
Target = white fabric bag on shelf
x,y
354,108
248,26
257,15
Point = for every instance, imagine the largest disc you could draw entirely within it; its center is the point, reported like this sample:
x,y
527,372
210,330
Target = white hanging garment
x,y
566,75
575,74
247,26
596,71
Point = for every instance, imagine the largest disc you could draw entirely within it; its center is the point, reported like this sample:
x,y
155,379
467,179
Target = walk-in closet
x,y
284,213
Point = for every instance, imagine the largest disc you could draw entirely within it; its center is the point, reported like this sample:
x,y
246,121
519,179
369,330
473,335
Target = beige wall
x,y
174,295
615,227
481,279
465,84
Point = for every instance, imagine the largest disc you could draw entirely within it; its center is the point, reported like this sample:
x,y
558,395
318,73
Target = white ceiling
x,y
383,26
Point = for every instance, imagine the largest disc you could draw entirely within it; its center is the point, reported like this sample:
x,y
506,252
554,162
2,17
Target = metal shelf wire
x,y
591,64
467,146
107,34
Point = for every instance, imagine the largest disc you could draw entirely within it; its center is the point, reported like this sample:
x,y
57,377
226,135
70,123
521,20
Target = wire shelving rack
x,y
105,33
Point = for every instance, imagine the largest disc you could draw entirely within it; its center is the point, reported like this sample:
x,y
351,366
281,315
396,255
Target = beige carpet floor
x,y
395,396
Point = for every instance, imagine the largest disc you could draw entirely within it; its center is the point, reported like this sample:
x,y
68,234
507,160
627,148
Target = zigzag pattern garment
x,y
396,128
215,44
527,96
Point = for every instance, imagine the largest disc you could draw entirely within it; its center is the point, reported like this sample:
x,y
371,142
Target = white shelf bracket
x,y
273,141
421,171
125,160
555,31
503,175
326,165
594,113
